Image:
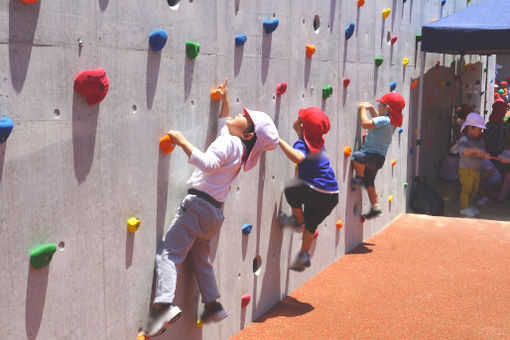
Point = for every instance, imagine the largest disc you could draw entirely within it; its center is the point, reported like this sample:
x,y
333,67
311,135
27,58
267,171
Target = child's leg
x,y
466,181
359,160
372,195
359,168
476,185
298,212
295,193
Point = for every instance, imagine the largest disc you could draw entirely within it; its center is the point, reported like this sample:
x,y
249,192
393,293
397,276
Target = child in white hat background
x,y
471,151
240,142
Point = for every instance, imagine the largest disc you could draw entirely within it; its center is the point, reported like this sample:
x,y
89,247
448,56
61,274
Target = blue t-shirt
x,y
378,140
315,169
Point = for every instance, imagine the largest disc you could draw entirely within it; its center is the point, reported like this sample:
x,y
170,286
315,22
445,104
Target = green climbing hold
x,y
379,61
327,91
452,63
192,49
41,256
485,69
405,185
418,37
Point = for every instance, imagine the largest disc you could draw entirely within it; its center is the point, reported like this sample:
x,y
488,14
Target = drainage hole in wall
x,y
237,100
192,102
134,108
61,246
57,113
239,276
355,210
174,4
316,23
257,265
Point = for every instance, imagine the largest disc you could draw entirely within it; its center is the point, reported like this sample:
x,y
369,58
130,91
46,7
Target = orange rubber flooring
x,y
421,277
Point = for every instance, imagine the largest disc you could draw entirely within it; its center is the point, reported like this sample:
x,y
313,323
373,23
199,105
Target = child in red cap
x,y
314,194
381,126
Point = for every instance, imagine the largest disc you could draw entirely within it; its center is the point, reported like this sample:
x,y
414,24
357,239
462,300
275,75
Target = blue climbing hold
x,y
492,80
6,127
393,86
400,130
349,30
404,1
443,2
271,25
157,40
247,229
241,39
411,150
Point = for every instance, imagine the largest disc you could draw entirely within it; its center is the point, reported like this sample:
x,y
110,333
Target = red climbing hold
x,y
361,3
281,88
316,234
310,50
347,81
93,84
362,219
394,40
245,300
436,65
29,1
414,84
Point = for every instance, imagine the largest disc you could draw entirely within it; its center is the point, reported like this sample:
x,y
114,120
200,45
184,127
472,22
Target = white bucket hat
x,y
474,119
267,136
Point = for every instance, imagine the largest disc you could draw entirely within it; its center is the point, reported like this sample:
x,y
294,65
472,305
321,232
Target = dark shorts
x,y
372,161
316,205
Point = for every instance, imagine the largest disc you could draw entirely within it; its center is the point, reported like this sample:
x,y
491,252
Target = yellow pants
x,y
470,182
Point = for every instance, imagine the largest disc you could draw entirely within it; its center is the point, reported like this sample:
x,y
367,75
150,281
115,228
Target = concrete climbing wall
x,y
73,174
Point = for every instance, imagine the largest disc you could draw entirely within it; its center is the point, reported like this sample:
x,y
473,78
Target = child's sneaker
x,y
301,262
357,181
483,200
468,212
213,314
162,316
372,213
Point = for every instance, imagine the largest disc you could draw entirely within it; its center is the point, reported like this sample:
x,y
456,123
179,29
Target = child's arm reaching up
x,y
366,123
225,106
292,154
179,140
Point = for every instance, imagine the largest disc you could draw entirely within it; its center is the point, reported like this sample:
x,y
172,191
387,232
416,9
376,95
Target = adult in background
x,y
497,128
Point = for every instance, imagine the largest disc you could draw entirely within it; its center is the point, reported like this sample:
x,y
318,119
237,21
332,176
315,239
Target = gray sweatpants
x,y
192,229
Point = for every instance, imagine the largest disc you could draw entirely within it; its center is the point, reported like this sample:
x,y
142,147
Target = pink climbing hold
x,y
245,300
394,40
436,65
281,88
347,81
316,234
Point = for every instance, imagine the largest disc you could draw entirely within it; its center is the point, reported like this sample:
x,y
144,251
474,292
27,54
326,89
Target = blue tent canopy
x,y
483,28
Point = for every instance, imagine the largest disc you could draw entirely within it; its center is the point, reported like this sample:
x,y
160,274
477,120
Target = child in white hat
x,y
240,142
471,151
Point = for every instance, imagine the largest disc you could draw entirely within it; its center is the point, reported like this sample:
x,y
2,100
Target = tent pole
x,y
485,91
420,104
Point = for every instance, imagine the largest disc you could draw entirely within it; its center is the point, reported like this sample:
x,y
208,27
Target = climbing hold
x,y
393,162
379,61
347,81
240,39
29,1
433,19
485,69
443,2
41,256
473,67
339,224
405,185
281,88
404,1
414,84
394,40
362,219
448,83
157,40
215,95
133,224
390,198
141,337
437,63
452,63
246,229
418,37
310,50
199,323
6,126
166,145
400,130
481,93
347,151
93,84
192,49
416,131
327,91
386,13
316,234
405,61
442,84
361,3
393,86
245,300
411,150
431,100
349,30
271,25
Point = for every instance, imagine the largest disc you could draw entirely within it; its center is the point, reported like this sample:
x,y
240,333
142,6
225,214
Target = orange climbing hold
x,y
310,50
142,337
215,95
166,145
29,1
339,224
347,151
361,3
414,84
393,162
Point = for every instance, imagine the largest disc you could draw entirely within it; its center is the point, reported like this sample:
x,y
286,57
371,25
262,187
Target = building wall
x,y
73,174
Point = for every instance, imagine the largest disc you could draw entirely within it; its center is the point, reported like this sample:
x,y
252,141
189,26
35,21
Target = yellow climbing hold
x,y
390,198
386,13
141,337
416,131
199,323
405,61
441,84
133,224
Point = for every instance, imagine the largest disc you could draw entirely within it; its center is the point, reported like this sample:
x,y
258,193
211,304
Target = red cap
x,y
315,124
93,84
497,96
503,83
396,103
